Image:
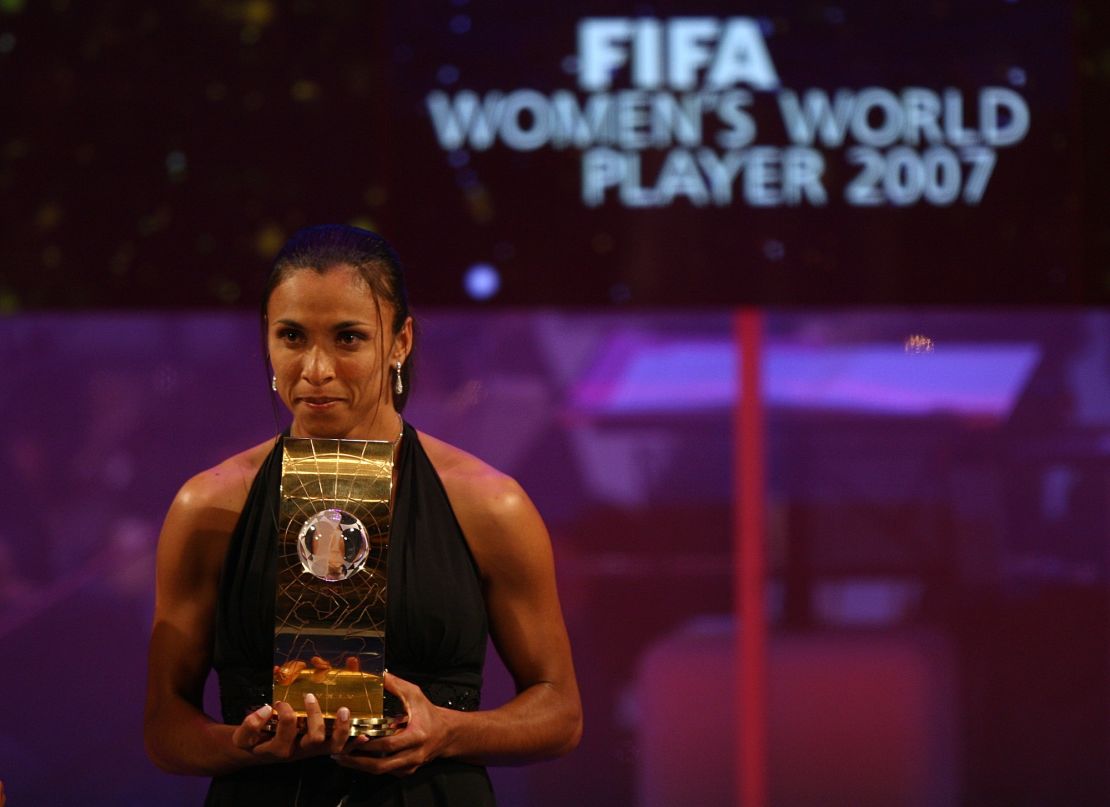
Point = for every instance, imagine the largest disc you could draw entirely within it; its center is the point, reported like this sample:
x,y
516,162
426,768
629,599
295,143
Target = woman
x,y
467,550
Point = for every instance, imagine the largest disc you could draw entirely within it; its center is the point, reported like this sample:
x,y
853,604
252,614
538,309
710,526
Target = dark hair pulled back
x,y
325,246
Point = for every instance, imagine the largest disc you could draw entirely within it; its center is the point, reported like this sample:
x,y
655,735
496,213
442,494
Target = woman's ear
x,y
402,343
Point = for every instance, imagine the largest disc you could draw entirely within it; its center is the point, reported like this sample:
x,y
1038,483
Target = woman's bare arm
x,y
513,551
179,737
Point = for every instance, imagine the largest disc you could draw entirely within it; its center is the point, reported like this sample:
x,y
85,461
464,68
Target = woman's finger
x,y
399,686
362,755
406,691
314,731
377,761
341,731
281,745
251,731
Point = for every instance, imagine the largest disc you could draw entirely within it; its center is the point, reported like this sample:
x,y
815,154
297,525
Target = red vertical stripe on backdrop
x,y
748,563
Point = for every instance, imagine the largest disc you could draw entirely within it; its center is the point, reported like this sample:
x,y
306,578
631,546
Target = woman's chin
x,y
337,423
321,427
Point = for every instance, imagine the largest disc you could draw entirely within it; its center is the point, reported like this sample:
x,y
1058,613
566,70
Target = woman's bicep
x,y
527,626
526,619
190,552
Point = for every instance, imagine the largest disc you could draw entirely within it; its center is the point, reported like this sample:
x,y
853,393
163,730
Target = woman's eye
x,y
288,335
349,338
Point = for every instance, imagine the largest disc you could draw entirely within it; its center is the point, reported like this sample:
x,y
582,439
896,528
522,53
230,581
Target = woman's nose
x,y
319,368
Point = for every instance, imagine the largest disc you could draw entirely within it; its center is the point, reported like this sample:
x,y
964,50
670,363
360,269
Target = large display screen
x,y
776,152
594,153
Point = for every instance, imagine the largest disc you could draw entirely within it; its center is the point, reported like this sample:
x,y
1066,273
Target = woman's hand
x,y
400,754
285,743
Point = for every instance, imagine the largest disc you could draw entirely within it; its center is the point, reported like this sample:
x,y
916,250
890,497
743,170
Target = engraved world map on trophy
x,y
329,628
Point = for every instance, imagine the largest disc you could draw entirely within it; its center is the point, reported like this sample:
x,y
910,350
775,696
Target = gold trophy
x,y
333,540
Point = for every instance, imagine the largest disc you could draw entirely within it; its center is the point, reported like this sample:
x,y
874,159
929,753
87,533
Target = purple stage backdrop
x,y
937,478
937,504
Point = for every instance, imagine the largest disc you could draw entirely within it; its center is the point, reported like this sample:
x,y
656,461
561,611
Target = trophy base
x,y
376,726
360,726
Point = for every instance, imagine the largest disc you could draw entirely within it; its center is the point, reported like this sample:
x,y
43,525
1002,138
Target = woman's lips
x,y
318,402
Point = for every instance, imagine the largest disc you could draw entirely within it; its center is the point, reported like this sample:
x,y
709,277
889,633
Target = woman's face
x,y
331,351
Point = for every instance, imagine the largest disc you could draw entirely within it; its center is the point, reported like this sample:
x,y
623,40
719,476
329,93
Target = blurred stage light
x,y
774,250
918,343
176,164
447,74
482,281
620,293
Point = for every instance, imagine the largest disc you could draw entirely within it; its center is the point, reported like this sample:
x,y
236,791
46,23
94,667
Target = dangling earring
x,y
273,383
398,382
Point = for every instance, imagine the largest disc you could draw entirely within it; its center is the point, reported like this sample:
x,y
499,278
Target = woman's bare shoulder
x,y
224,486
463,474
200,522
495,513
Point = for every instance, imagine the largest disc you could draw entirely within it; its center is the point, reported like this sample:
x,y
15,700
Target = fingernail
x,y
264,711
344,713
310,698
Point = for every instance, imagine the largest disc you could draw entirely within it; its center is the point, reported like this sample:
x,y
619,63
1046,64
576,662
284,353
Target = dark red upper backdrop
x,y
159,156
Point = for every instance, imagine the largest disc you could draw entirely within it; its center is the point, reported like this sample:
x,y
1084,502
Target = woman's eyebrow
x,y
339,326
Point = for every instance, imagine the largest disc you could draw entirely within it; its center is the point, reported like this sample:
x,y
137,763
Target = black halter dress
x,y
436,631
